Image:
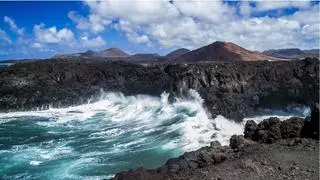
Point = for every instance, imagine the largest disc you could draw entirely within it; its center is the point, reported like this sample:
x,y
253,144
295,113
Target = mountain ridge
x,y
224,51
293,53
216,51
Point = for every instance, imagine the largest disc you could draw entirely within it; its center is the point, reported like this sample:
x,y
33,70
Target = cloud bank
x,y
168,24
195,23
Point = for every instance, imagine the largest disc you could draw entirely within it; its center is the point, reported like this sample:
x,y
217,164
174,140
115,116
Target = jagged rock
x,y
139,174
292,127
219,157
231,89
268,131
239,142
215,144
311,127
205,159
249,129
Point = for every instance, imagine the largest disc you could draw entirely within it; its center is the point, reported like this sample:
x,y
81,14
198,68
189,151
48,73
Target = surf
x,y
113,134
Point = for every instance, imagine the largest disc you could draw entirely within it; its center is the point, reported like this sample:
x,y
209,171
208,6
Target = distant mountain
x,y
67,56
177,53
111,52
108,53
224,51
143,57
293,53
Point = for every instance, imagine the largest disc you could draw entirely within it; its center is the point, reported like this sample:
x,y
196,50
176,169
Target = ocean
x,y
116,133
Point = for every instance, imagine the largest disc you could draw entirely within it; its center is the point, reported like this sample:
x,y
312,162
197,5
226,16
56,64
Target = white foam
x,y
35,163
142,115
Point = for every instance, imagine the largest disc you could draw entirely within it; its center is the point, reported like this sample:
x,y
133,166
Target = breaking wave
x,y
114,134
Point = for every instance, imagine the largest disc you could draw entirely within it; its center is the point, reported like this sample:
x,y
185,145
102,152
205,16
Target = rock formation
x,y
231,89
245,154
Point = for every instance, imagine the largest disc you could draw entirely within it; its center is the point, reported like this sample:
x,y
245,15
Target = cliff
x,y
232,89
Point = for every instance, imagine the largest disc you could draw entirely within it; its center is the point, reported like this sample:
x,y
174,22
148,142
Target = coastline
x,y
268,150
232,89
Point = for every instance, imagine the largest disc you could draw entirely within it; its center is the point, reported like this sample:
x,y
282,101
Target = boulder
x,y
249,129
239,142
268,131
292,127
311,126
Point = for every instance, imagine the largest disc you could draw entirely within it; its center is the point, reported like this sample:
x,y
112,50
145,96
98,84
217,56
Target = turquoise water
x,y
97,140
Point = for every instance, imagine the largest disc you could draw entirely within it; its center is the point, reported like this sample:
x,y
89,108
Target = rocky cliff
x,y
232,89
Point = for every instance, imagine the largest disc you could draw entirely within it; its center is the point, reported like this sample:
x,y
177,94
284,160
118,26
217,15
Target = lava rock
x,y
239,142
311,127
292,127
215,144
249,129
268,131
231,89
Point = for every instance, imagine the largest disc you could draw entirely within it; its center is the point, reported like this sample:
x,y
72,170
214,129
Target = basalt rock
x,y
231,89
239,142
283,143
268,131
272,129
311,127
249,129
292,127
203,157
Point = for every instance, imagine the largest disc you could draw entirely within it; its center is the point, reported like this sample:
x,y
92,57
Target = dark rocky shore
x,y
232,89
269,150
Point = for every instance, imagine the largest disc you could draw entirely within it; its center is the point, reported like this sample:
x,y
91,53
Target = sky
x,y
42,29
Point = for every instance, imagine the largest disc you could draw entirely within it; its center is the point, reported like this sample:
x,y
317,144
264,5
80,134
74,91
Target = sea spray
x,y
116,133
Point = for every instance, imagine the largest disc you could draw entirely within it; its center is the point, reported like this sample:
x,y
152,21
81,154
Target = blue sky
x,y
42,29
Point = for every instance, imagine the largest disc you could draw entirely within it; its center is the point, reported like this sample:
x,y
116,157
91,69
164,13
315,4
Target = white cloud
x,y
272,5
95,42
13,25
37,45
196,23
4,37
136,38
94,22
52,35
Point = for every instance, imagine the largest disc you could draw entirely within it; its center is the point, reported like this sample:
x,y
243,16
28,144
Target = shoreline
x,y
232,89
279,138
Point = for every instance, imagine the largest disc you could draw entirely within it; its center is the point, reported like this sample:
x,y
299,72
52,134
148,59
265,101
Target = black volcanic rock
x,y
292,127
224,51
272,129
287,156
311,127
177,53
268,131
249,129
231,89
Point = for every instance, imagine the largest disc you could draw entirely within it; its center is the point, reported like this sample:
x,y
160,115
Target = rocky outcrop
x,y
206,156
311,127
231,89
284,140
272,129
